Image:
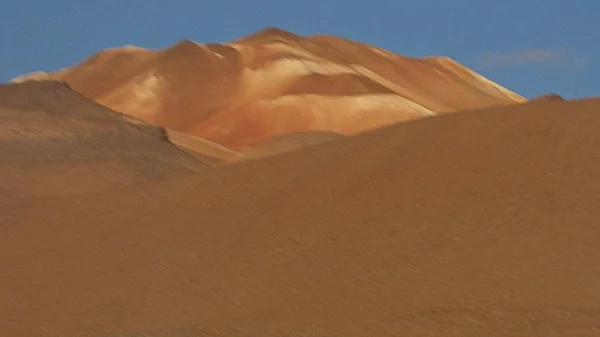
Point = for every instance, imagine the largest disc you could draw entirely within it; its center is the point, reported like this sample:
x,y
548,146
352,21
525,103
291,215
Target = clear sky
x,y
530,46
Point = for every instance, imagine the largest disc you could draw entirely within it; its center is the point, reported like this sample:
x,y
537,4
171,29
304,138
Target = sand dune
x,y
271,83
287,143
479,223
209,151
55,141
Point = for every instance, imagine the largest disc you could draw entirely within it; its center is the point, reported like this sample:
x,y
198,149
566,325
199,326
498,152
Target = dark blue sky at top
x,y
530,46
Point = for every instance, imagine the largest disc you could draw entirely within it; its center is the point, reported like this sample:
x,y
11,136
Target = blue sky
x,y
530,46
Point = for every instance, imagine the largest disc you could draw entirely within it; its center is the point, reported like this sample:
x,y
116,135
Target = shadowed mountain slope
x,y
53,141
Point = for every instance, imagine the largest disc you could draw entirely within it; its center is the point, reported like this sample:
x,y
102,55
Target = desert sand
x,y
475,223
56,141
272,83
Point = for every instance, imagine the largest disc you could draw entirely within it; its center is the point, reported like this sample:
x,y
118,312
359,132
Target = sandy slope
x,y
272,83
479,223
55,141
211,152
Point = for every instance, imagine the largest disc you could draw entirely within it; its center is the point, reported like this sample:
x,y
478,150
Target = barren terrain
x,y
476,223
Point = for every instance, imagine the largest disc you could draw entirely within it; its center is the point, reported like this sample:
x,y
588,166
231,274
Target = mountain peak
x,y
270,33
243,94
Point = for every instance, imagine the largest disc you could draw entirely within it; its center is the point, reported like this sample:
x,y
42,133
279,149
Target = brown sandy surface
x,y
211,152
245,92
286,143
56,141
479,223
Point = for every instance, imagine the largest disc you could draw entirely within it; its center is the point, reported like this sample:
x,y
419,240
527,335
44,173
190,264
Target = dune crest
x,y
271,83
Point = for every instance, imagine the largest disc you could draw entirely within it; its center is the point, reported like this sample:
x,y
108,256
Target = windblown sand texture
x,y
478,223
55,141
273,83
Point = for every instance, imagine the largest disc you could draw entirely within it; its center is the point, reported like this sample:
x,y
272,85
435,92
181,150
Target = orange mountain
x,y
273,83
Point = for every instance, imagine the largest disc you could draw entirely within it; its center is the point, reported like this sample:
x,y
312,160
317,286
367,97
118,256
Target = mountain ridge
x,y
242,93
